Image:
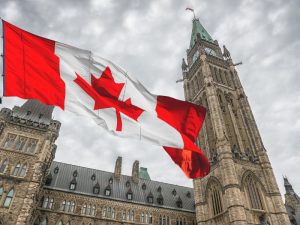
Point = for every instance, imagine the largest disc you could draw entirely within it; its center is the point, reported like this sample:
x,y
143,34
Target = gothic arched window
x,y
93,210
3,166
253,193
83,209
9,141
9,198
63,206
215,198
20,170
32,143
17,170
113,213
20,143
23,171
47,203
142,217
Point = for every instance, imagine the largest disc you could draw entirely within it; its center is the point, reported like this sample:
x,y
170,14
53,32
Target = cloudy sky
x,y
149,39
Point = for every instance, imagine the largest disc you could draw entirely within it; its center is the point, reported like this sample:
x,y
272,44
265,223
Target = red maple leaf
x,y
105,91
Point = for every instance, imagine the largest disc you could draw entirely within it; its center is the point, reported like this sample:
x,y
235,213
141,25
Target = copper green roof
x,y
144,174
199,29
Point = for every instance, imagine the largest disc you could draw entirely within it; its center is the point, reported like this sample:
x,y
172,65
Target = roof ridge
x,y
124,175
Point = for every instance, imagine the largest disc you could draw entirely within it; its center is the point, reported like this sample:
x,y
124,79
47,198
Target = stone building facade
x,y
241,188
34,189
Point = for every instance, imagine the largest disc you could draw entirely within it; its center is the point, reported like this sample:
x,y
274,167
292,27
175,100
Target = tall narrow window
x,y
83,209
20,170
131,215
17,170
63,206
104,212
72,207
23,170
9,141
9,198
142,217
20,143
3,166
215,199
50,204
253,193
93,210
32,143
68,204
88,209
45,203
113,213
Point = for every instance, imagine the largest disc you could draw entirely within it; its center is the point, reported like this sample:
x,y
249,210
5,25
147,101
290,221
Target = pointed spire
x,y
200,30
288,187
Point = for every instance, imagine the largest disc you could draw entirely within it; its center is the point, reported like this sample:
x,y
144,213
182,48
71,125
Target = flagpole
x,y
2,72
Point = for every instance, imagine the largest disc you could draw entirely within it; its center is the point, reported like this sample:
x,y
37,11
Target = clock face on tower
x,y
209,51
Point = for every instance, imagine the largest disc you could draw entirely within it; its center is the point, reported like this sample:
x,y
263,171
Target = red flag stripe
x,y
187,118
31,67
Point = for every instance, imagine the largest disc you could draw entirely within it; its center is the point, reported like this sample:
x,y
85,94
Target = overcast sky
x,y
149,39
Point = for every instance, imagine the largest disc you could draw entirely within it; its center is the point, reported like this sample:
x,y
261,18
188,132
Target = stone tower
x,y
241,188
27,149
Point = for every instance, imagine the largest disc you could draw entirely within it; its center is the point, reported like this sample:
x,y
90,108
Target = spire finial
x,y
192,10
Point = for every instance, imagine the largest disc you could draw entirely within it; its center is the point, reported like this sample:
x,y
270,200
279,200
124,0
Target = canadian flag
x,y
81,82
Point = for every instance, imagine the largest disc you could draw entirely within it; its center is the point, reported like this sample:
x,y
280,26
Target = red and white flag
x,y
81,82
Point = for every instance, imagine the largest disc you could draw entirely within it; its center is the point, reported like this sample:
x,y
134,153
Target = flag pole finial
x,y
192,10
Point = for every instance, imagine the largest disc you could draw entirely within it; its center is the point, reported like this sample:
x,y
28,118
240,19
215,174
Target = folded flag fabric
x,y
79,81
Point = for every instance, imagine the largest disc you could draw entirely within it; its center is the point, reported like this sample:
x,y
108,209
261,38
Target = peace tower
x,y
241,188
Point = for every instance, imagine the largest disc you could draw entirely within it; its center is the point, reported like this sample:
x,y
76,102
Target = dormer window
x,y
160,200
107,191
56,169
159,189
129,194
73,184
93,177
96,188
179,202
150,198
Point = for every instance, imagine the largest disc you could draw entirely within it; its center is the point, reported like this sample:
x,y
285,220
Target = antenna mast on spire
x,y
192,10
